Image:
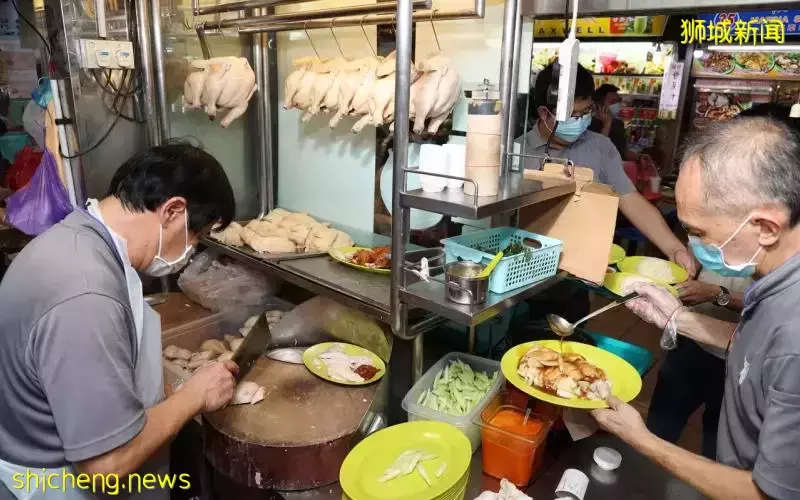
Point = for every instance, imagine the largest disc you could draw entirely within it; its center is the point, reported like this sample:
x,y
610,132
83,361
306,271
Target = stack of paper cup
x,y
483,146
432,158
456,163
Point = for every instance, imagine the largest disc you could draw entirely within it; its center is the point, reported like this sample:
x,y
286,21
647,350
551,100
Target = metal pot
x,y
461,285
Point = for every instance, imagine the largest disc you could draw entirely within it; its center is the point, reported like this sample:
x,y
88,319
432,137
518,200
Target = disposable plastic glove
x,y
657,306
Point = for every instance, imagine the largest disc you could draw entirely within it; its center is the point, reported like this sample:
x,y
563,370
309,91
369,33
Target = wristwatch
x,y
724,297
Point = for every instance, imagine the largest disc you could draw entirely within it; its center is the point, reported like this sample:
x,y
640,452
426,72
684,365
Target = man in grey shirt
x,y
571,139
737,195
80,352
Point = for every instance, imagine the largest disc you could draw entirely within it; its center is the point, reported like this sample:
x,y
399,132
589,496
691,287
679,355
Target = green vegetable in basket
x,y
457,389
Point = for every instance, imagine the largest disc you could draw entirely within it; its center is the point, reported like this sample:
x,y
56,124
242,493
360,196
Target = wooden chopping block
x,y
296,438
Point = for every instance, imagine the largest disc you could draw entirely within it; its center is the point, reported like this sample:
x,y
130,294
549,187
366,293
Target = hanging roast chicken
x,y
222,83
364,88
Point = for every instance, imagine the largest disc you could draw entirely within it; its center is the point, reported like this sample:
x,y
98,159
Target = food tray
x,y
511,272
465,423
268,257
191,335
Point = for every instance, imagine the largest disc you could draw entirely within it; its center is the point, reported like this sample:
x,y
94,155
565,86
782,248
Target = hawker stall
x,y
325,117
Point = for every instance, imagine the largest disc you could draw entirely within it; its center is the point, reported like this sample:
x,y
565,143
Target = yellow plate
x,y
614,281
320,369
371,457
342,254
616,254
631,265
625,380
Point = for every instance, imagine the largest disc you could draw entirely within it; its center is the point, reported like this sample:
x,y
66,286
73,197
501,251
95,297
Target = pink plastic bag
x,y
43,202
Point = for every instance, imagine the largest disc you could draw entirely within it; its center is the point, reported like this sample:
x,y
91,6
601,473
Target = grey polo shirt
x,y
759,426
591,150
67,349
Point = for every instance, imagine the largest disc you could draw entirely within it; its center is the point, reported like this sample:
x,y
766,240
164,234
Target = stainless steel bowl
x,y
461,284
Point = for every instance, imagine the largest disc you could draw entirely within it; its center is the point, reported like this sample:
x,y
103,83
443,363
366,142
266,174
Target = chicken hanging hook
x,y
336,39
310,41
433,27
365,35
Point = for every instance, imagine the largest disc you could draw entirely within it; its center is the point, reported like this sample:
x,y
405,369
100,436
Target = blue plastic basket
x,y
511,272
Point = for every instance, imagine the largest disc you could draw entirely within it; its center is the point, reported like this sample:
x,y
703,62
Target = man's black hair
x,y
177,168
584,88
602,91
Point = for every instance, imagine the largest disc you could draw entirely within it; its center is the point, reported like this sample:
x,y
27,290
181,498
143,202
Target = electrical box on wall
x,y
111,54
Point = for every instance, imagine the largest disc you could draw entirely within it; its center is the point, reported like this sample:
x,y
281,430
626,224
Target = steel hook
x,y
433,27
336,39
374,53
305,24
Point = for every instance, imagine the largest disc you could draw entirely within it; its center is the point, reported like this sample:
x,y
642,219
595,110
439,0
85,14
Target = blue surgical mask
x,y
712,257
572,129
614,109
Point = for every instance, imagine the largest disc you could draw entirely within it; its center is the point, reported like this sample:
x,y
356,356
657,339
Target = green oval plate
x,y
625,380
320,369
371,457
616,254
342,254
631,265
614,282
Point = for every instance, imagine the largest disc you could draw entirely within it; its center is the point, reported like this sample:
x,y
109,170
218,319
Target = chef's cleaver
x,y
255,343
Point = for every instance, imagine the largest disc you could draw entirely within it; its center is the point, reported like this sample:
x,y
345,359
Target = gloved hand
x,y
657,306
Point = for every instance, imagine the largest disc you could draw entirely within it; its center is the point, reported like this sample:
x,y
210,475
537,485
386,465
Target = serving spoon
x,y
564,328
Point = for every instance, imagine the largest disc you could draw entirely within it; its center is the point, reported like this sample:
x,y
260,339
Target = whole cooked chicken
x,y
435,93
567,375
231,235
222,83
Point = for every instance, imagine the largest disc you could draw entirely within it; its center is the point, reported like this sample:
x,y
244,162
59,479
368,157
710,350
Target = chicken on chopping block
x,y
223,83
435,93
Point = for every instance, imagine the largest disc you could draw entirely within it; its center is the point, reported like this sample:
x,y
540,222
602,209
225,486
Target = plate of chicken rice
x,y
373,260
570,373
345,364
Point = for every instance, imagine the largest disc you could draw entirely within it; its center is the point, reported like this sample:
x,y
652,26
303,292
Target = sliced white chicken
x,y
248,393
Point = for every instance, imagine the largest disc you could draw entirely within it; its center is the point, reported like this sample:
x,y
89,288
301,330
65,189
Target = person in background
x,y
606,120
693,375
737,196
81,380
572,139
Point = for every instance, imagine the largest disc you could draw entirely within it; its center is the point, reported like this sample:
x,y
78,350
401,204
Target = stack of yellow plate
x,y
369,460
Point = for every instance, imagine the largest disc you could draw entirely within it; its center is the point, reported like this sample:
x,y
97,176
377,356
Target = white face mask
x,y
162,267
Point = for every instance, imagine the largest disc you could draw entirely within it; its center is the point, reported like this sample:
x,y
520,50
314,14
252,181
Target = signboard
x,y
639,26
671,92
790,19
748,65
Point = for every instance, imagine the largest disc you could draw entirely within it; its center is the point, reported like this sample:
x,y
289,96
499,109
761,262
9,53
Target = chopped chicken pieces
x,y
567,375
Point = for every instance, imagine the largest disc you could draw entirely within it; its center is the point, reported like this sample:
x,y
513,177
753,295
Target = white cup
x,y
432,159
456,163
655,184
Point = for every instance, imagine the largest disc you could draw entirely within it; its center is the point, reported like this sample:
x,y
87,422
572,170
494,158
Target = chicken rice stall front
x,y
295,440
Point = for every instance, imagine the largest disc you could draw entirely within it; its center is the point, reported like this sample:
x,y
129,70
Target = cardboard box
x,y
584,221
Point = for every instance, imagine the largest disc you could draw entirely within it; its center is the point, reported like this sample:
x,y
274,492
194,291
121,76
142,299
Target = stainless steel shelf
x,y
518,193
431,297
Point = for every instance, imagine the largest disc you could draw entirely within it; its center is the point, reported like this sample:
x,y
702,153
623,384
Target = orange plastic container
x,y
512,445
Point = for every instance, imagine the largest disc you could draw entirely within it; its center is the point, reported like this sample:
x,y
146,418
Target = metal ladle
x,y
564,328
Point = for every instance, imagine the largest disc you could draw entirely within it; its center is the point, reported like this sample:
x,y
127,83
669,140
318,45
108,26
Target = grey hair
x,y
747,162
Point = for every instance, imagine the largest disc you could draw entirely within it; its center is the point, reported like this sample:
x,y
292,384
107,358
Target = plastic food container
x,y
466,423
512,446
